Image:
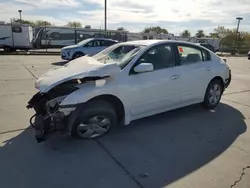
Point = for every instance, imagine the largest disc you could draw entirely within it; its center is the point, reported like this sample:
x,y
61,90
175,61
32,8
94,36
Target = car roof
x,y
103,39
150,42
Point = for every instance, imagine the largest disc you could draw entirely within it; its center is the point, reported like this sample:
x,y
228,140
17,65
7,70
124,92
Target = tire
x,y
77,55
7,49
88,114
212,93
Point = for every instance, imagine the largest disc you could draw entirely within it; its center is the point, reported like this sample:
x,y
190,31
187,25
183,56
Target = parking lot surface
x,y
188,147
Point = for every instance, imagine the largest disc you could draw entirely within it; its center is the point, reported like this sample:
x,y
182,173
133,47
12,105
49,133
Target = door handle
x,y
208,68
174,77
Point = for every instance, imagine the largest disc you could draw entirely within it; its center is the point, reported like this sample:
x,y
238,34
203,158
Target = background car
x,y
208,46
86,47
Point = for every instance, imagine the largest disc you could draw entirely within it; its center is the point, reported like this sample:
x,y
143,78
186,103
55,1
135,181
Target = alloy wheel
x,y
214,94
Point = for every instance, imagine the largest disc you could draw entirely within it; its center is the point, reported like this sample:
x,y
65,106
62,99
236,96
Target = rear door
x,y
196,66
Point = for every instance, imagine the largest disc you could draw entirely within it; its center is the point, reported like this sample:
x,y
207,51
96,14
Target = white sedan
x,y
125,82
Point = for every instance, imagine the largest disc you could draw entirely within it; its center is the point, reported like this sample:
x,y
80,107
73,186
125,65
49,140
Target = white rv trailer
x,y
58,37
148,36
15,37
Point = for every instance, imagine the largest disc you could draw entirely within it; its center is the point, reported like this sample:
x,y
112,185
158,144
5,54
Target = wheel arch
x,y
115,102
77,52
220,79
112,99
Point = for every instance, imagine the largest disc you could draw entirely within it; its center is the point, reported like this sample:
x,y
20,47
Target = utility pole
x,y
237,34
105,15
20,15
238,25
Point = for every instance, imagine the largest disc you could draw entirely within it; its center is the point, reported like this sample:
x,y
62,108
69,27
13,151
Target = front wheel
x,y
77,55
213,94
96,119
7,49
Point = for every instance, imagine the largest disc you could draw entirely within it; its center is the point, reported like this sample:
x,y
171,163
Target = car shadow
x,y
151,152
59,63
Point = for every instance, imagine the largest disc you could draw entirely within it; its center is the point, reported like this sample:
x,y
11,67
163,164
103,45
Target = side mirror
x,y
144,67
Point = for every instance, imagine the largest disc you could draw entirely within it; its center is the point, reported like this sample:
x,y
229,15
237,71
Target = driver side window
x,y
161,56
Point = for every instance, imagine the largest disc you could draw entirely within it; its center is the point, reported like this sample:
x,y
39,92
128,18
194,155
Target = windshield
x,y
83,42
106,51
118,53
128,57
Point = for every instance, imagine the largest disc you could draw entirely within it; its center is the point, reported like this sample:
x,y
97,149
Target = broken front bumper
x,y
43,125
48,117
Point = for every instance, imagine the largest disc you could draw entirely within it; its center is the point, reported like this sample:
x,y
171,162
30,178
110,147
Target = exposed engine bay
x,y
50,116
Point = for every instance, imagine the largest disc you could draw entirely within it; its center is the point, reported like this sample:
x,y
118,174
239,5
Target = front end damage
x,y
49,115
56,85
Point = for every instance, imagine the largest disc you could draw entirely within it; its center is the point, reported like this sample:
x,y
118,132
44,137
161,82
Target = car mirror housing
x,y
144,67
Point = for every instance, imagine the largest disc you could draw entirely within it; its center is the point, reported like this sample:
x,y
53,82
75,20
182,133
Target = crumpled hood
x,y
70,47
76,69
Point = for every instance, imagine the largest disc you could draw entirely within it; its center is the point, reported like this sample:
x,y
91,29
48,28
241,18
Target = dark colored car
x,y
208,46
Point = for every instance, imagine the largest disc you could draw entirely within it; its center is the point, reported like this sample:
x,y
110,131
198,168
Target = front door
x,y
156,91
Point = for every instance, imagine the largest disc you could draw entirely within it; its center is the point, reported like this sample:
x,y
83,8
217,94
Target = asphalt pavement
x,y
188,147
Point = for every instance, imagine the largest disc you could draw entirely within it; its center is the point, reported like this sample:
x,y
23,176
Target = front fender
x,y
91,90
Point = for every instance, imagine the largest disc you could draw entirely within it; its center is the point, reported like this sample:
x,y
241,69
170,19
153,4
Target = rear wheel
x,y
77,55
213,94
96,119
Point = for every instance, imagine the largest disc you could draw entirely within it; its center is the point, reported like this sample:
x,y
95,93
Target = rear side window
x,y
16,29
189,55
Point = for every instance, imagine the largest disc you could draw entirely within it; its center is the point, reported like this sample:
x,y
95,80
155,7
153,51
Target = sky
x,y
134,15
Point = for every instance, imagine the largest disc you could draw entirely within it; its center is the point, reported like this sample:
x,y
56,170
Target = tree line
x,y
42,23
230,39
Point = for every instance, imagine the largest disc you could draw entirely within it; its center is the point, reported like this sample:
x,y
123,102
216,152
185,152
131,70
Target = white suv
x,y
89,47
128,81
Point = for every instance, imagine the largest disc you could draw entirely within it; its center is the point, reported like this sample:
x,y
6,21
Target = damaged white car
x,y
127,81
